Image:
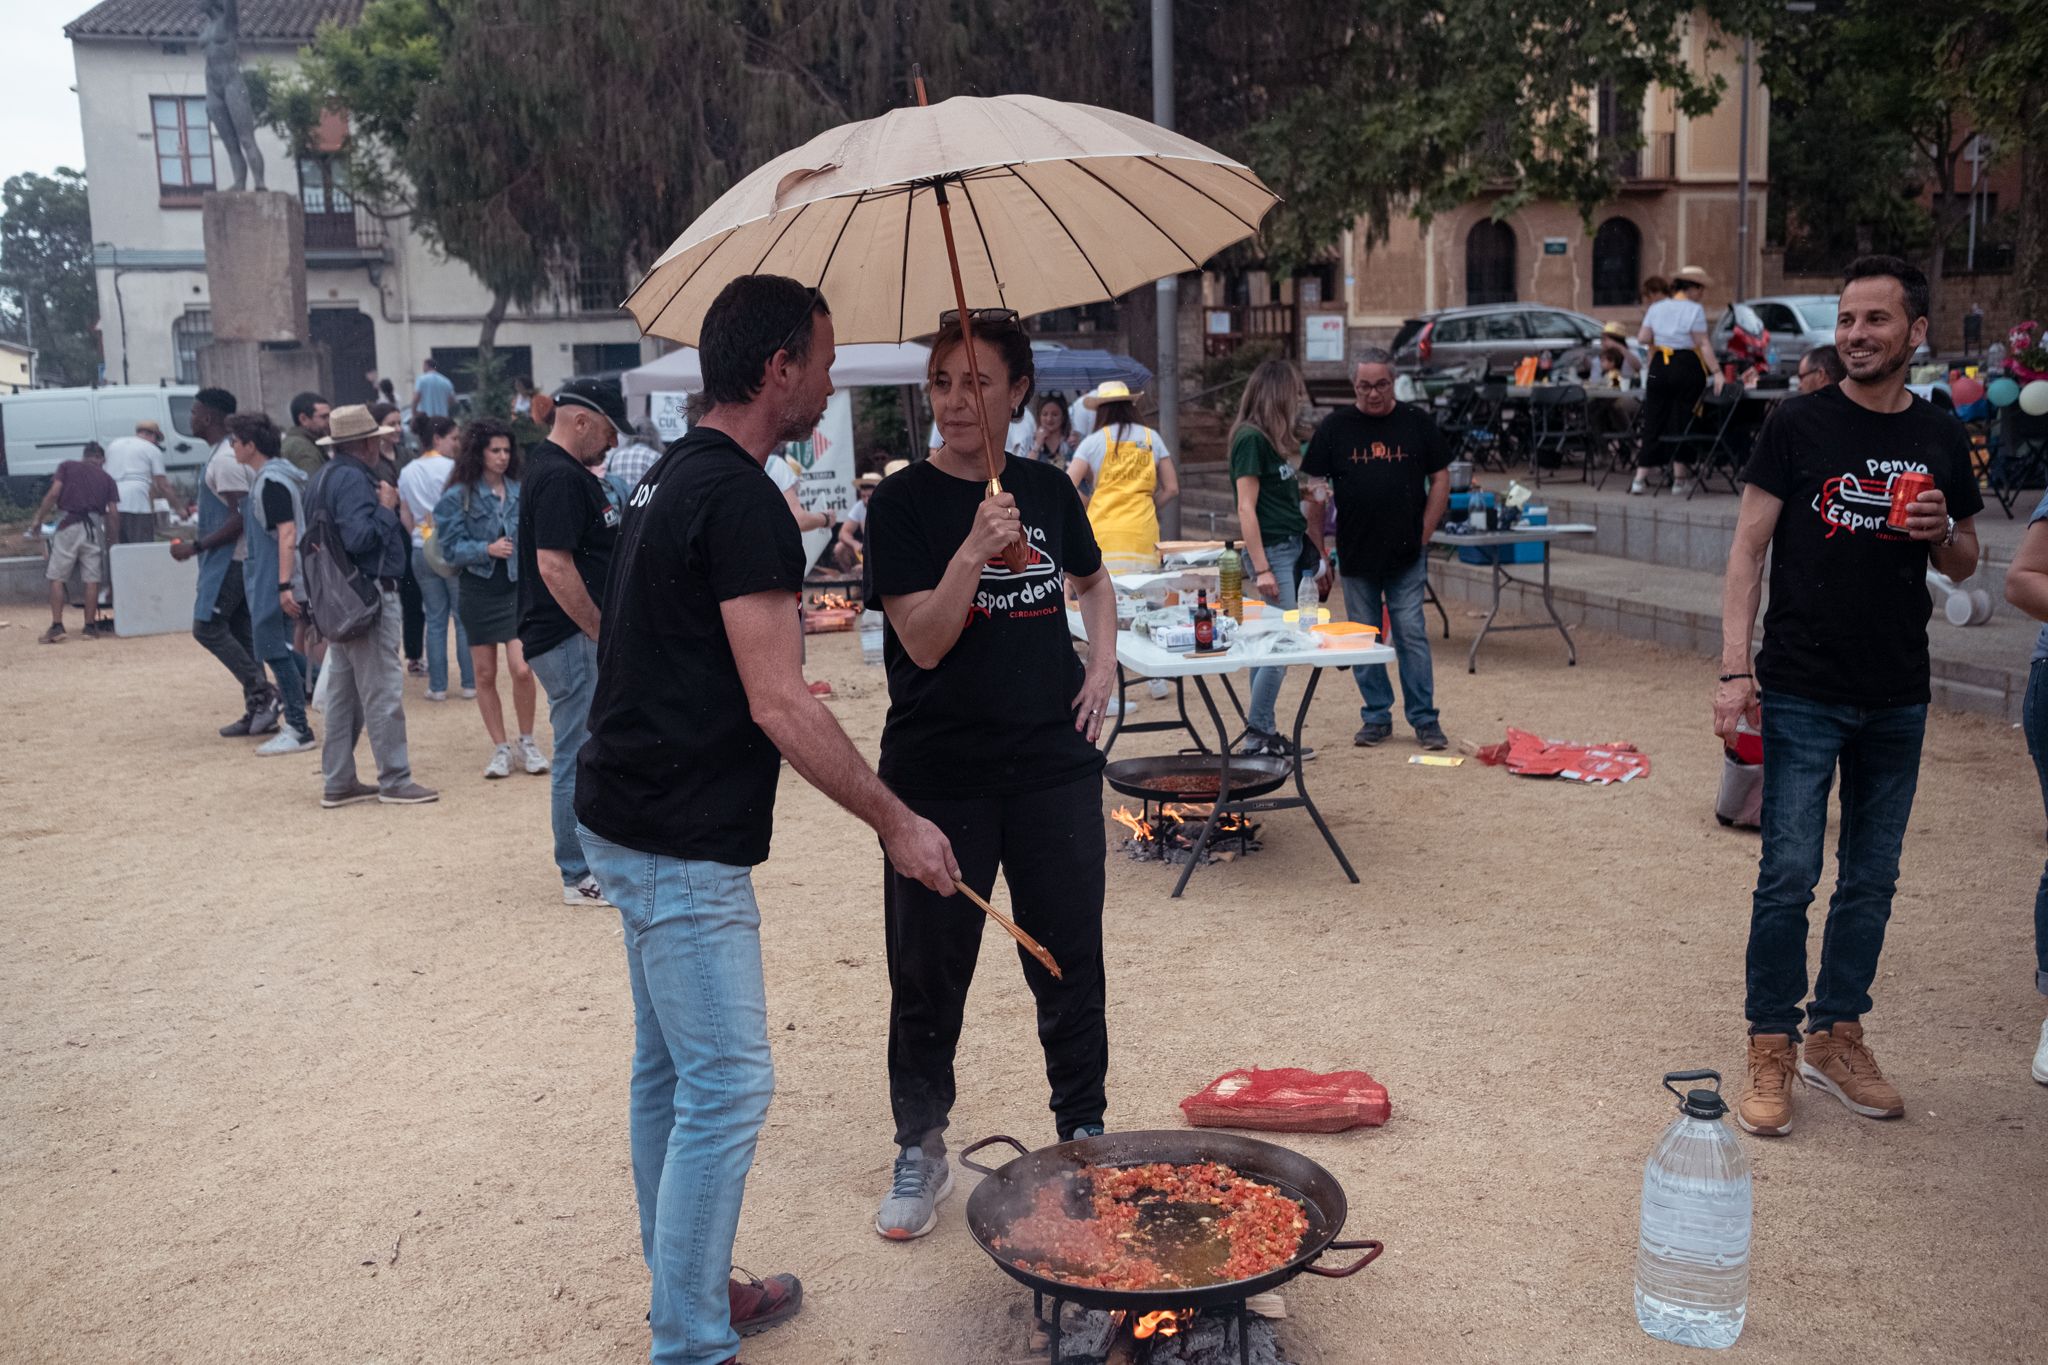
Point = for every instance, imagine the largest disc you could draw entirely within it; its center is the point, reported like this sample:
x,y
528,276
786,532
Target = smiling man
x,y
1841,681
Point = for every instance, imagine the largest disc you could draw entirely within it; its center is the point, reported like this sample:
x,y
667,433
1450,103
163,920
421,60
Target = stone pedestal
x,y
256,265
264,376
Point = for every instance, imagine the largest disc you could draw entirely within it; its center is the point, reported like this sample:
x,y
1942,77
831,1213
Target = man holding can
x,y
1853,490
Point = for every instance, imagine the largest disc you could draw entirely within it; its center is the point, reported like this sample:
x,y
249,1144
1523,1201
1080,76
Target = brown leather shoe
x,y
1766,1107
758,1305
1837,1061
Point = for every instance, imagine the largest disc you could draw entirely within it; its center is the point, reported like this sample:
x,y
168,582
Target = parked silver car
x,y
1797,323
1493,336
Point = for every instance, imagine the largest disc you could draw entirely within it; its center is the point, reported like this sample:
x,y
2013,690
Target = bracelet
x,y
1731,677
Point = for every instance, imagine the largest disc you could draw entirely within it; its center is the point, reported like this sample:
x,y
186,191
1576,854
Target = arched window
x,y
1617,261
1490,263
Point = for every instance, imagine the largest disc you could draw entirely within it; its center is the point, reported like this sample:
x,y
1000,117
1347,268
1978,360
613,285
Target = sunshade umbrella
x,y
1059,366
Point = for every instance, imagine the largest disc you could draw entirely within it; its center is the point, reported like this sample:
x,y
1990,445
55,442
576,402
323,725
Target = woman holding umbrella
x,y
991,736
1134,477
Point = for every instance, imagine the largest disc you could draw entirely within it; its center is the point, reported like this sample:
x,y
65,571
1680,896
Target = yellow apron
x,y
1125,521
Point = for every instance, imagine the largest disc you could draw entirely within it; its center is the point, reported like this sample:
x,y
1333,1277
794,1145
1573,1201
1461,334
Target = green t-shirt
x,y
1279,504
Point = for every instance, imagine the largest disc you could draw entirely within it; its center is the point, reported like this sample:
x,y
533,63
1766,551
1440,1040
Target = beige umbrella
x,y
1053,205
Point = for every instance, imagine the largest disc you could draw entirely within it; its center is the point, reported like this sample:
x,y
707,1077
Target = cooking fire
x,y
1168,834
1183,1337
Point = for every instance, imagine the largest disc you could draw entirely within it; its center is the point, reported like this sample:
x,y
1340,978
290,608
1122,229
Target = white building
x,y
380,298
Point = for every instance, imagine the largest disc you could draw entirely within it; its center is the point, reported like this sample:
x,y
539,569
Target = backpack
x,y
345,605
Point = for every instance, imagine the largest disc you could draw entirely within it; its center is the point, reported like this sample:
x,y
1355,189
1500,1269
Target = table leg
x,y
1571,648
1180,699
1222,791
1308,693
1499,579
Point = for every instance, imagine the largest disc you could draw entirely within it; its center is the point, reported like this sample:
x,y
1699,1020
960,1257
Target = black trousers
x,y
1670,393
229,638
414,608
1050,846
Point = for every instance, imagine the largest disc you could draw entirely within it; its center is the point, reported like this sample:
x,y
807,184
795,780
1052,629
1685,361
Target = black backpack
x,y
345,605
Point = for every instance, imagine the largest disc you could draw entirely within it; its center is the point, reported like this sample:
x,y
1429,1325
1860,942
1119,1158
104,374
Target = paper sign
x,y
1323,337
665,410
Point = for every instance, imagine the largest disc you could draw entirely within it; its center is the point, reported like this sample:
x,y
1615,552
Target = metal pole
x,y
1742,182
1976,172
1168,289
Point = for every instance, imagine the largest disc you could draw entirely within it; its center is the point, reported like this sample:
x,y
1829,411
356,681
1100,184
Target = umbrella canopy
x,y
682,371
1066,367
1054,205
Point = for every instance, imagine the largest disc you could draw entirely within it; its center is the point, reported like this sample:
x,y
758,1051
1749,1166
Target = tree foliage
x,y
46,264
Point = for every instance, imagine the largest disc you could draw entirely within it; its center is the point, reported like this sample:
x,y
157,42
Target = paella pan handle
x,y
1356,1266
966,1152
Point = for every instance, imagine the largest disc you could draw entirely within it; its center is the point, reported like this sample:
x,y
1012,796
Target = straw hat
x,y
868,480
1693,275
1110,391
1615,330
353,422
893,466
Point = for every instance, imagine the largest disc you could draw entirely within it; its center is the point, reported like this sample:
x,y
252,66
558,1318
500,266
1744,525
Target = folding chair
x,y
1559,423
1706,433
1483,444
1454,416
2021,461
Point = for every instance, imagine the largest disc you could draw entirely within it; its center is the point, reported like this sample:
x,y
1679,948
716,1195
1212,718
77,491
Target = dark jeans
x,y
291,690
2037,745
415,608
1050,846
227,637
1878,751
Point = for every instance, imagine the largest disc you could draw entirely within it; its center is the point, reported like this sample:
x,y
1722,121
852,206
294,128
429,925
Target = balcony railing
x,y
1655,161
354,232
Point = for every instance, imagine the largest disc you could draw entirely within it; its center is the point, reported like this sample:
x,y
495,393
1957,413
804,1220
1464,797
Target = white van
x,y
42,428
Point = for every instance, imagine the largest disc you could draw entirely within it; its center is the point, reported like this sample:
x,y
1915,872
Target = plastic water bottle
x,y
871,637
1305,602
1692,1254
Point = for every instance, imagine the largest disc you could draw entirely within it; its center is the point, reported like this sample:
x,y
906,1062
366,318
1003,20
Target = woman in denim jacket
x,y
476,521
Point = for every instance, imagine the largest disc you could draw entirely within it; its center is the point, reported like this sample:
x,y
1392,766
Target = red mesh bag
x,y
1289,1100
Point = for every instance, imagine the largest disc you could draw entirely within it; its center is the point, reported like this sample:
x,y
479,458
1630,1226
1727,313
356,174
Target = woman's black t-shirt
x,y
996,716
1847,621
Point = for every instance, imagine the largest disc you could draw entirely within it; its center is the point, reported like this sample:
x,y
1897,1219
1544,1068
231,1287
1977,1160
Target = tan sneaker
x,y
1766,1108
1836,1061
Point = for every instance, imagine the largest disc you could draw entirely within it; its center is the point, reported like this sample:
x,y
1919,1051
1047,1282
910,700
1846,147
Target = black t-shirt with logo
x,y
996,716
675,763
562,506
1847,621
1379,470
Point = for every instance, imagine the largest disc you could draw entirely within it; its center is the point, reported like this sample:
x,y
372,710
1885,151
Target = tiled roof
x,y
262,20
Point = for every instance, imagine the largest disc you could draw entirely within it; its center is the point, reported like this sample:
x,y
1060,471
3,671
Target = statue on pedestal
x,y
227,89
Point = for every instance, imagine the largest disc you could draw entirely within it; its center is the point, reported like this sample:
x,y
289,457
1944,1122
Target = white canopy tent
x,y
680,371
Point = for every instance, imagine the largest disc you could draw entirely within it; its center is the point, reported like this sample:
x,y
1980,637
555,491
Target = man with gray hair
x,y
1387,465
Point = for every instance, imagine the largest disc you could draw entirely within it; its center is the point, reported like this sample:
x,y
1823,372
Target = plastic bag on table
x,y
1289,1100
1263,644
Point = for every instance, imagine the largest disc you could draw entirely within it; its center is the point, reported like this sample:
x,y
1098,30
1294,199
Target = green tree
x,y
46,262
2011,102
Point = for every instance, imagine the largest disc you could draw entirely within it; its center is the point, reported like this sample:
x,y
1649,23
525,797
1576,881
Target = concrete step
x,y
1976,668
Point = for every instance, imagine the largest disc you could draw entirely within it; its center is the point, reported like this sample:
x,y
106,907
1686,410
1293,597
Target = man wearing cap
x,y
136,465
366,690
567,527
220,610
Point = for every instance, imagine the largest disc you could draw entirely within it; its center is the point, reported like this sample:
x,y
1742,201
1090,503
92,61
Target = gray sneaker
x,y
411,794
1370,734
347,796
912,1208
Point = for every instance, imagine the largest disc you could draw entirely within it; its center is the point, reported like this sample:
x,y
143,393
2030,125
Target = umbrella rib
x,y
1017,171
844,224
779,236
1082,167
1164,169
986,253
903,274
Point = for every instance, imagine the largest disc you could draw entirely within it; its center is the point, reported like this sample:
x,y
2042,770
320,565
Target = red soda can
x,y
1906,490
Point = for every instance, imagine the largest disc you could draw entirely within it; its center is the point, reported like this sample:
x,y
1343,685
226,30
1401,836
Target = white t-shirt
x,y
420,485
134,464
224,475
1082,417
1094,447
782,472
1673,321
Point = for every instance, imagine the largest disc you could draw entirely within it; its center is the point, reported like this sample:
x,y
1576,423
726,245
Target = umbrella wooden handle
x,y
1031,944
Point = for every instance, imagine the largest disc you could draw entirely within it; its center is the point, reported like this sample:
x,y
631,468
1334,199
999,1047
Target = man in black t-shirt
x,y
567,525
1387,465
700,695
1841,680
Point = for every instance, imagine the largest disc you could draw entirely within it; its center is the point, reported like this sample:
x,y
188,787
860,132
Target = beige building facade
x,y
379,297
17,367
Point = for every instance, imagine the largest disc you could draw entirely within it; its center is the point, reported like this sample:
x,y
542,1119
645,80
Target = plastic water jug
x,y
1692,1252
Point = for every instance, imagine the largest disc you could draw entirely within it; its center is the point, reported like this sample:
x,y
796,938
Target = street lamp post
x,y
1168,289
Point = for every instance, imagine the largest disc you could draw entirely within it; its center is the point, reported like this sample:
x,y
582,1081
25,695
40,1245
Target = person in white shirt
x,y
786,479
136,465
420,485
1681,367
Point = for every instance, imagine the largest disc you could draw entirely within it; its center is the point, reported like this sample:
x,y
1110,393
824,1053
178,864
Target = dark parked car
x,y
1491,336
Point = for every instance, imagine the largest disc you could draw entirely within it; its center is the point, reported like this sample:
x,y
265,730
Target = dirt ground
x,y
293,1085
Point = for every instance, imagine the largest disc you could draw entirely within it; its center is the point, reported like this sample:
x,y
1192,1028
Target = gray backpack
x,y
344,604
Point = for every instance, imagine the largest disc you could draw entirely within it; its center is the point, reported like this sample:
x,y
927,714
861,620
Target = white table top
x,y
1521,535
1137,653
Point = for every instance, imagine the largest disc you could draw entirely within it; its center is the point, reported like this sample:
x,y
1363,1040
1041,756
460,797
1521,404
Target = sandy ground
x,y
285,1084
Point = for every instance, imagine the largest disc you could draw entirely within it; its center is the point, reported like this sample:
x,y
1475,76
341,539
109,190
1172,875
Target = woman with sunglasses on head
x,y
477,520
990,736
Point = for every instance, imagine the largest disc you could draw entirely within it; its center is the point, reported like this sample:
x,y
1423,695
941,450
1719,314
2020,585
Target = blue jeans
x,y
2036,717
569,674
702,1079
1283,557
437,599
1401,591
291,689
1878,752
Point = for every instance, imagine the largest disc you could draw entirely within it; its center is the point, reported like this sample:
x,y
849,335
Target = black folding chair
x,y
1454,413
2021,460
1484,444
1707,434
1559,423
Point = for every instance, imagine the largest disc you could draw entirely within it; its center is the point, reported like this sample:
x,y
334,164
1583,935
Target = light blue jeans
x,y
569,674
1283,557
1402,594
437,599
702,1079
